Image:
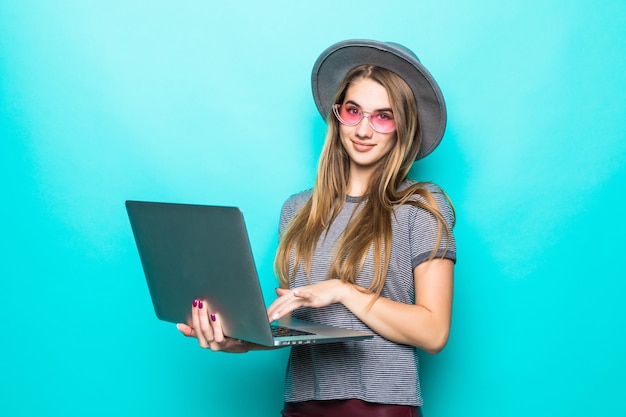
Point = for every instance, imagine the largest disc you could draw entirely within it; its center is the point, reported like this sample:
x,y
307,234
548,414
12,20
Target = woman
x,y
365,248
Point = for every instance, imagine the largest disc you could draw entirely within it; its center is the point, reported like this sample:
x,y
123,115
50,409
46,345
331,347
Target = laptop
x,y
191,251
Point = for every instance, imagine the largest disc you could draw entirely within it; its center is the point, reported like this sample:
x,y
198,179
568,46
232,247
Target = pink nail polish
x,y
213,317
195,303
200,304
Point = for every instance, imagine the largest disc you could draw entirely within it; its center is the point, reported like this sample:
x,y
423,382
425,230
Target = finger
x,y
195,322
218,333
288,304
301,294
206,330
186,330
196,315
277,304
282,291
309,299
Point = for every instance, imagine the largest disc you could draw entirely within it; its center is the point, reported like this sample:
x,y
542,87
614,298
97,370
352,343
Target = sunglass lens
x,y
383,125
350,115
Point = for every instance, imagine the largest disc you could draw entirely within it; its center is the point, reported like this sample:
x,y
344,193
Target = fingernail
x,y
200,304
213,317
275,316
195,303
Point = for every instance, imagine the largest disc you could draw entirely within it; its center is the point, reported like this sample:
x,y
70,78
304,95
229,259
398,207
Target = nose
x,y
364,129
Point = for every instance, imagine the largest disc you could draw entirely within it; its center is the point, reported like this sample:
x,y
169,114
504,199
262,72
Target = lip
x,y
361,146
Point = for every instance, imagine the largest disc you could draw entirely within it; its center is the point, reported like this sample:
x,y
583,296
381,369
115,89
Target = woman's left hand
x,y
207,328
315,295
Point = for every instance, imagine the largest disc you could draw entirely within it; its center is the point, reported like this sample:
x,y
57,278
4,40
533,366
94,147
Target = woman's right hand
x,y
207,328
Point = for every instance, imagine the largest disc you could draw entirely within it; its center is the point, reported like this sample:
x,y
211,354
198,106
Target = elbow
x,y
436,343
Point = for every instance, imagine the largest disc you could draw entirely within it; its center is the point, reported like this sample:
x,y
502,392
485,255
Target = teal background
x,y
209,102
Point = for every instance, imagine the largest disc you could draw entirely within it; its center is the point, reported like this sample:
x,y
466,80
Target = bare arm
x,y
425,324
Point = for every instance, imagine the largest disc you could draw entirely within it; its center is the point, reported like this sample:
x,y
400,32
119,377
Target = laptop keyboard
x,y
286,331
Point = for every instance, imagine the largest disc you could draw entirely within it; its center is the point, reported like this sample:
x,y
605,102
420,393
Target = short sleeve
x,y
290,208
424,229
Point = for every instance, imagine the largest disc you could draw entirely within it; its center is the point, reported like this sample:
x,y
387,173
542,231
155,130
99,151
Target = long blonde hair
x,y
370,228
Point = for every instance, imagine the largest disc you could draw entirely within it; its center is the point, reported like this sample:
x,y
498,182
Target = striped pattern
x,y
375,370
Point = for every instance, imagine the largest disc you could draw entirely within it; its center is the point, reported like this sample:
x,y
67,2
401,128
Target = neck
x,y
359,181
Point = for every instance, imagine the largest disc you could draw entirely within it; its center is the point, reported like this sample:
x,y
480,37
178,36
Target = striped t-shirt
x,y
374,370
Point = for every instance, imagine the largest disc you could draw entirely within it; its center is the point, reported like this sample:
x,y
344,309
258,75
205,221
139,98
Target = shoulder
x,y
427,194
293,204
298,200
422,190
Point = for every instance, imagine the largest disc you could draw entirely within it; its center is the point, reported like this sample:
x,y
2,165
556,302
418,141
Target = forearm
x,y
254,346
424,324
410,324
230,345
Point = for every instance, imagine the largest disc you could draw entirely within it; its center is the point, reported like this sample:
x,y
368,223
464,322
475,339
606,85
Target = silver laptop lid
x,y
200,252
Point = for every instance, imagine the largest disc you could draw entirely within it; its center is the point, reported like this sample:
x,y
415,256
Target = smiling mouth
x,y
360,146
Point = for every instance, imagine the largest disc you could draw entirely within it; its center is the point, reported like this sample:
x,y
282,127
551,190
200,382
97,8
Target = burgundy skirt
x,y
348,408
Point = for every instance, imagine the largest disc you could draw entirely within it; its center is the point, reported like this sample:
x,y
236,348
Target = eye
x,y
385,115
353,110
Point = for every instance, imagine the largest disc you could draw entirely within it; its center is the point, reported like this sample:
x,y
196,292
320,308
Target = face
x,y
365,146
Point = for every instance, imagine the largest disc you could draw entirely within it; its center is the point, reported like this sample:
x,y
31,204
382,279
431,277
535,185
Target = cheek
x,y
390,143
344,136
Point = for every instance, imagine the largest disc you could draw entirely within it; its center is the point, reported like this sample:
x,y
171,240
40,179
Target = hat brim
x,y
335,62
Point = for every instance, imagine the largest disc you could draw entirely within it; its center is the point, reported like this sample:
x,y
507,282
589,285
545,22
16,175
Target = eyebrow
x,y
360,107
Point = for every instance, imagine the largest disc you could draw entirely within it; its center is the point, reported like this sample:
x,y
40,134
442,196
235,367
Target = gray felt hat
x,y
335,62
